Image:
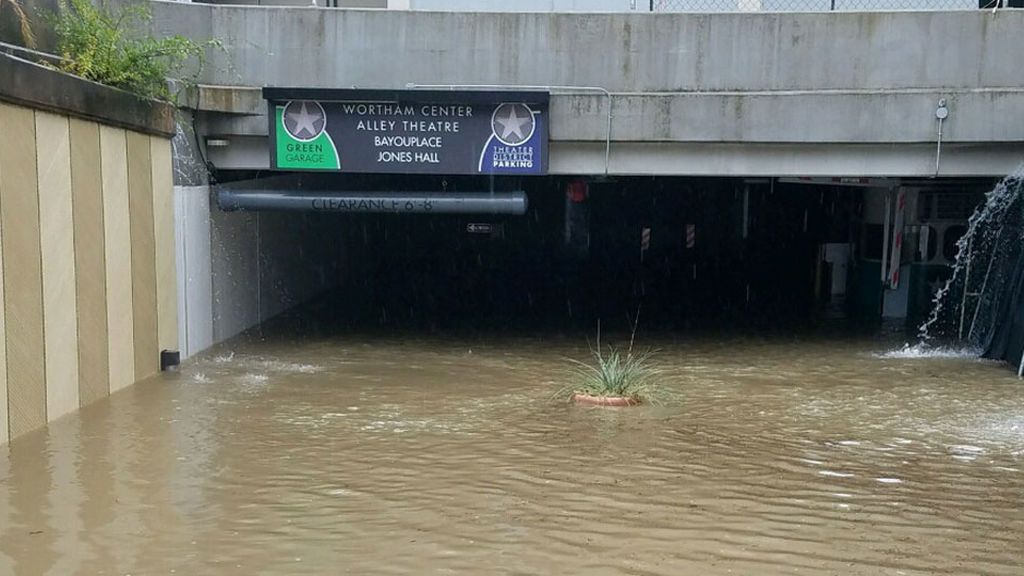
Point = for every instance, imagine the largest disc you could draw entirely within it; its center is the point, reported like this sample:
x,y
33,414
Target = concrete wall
x,y
794,133
86,255
692,94
193,256
236,270
632,52
266,263
87,298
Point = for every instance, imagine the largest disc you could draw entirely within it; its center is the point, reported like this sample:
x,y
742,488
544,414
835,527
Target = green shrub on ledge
x,y
104,47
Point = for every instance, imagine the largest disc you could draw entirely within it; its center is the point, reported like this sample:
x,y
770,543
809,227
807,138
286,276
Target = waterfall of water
x,y
970,306
189,168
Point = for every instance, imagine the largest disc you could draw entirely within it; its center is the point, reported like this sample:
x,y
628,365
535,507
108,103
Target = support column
x,y
90,262
163,232
117,249
57,249
4,424
22,274
143,255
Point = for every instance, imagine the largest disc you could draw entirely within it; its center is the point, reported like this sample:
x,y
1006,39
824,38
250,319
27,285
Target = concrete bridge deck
x,y
810,133
713,94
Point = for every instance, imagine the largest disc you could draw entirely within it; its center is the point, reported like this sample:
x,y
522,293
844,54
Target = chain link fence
x,y
822,5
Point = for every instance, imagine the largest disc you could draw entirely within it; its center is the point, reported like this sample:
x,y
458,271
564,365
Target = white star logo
x,y
513,124
305,122
512,128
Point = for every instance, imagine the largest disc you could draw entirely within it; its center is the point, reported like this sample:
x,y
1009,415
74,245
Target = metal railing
x,y
821,5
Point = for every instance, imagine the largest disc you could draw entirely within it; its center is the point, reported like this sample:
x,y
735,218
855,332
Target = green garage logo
x,y
302,139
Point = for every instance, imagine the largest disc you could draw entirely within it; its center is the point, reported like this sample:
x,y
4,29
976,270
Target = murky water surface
x,y
442,456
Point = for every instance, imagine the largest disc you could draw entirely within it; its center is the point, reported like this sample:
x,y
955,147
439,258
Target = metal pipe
x,y
885,240
511,203
984,282
941,113
17,51
967,281
605,91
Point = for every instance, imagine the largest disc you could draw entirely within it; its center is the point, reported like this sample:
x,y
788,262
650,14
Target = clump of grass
x,y
615,373
627,374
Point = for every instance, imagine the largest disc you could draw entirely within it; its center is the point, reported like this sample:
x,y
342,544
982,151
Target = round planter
x,y
588,400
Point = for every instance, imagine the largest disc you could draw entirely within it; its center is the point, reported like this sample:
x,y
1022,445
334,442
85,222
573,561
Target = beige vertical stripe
x,y
23,290
163,231
57,246
117,247
140,207
90,265
4,426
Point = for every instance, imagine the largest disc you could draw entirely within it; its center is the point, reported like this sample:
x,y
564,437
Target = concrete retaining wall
x,y
193,256
621,52
86,250
239,269
266,263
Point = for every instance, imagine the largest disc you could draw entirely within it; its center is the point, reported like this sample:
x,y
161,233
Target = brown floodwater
x,y
416,455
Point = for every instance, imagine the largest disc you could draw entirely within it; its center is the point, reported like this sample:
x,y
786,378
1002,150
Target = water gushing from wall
x,y
189,168
967,309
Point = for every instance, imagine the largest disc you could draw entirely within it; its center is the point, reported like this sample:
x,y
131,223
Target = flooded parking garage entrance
x,y
405,421
435,209
561,253
393,408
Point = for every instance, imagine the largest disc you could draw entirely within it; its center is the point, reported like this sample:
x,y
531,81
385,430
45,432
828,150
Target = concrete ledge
x,y
993,159
799,116
243,100
35,86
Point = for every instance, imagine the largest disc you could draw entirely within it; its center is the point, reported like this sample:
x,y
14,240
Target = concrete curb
x,y
36,86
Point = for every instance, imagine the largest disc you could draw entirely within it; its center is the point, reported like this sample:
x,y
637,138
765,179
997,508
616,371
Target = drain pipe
x,y
492,203
885,238
984,283
941,113
607,94
967,281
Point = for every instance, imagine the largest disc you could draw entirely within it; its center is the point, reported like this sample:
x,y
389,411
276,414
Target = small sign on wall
x,y
479,228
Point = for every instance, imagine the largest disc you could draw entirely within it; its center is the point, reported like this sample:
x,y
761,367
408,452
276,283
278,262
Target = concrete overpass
x,y
809,94
729,94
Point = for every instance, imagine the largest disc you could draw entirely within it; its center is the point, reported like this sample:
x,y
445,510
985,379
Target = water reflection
x,y
407,455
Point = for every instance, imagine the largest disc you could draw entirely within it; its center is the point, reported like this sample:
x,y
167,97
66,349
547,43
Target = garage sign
x,y
408,131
